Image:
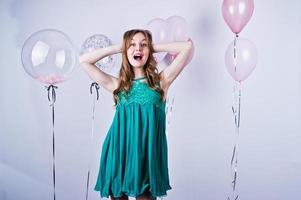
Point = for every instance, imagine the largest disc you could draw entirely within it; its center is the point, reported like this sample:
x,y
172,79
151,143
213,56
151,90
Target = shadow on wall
x,y
207,62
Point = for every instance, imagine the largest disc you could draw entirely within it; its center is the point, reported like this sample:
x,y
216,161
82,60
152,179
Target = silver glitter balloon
x,y
99,41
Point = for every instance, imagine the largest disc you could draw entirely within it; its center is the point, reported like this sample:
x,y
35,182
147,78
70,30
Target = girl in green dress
x,y
134,153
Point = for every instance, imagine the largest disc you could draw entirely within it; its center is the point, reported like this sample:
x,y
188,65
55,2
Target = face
x,y
138,51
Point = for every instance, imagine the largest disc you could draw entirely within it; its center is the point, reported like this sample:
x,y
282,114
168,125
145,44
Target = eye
x,y
144,45
132,44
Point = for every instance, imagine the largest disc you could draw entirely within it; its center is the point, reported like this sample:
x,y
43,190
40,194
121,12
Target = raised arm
x,y
88,61
182,51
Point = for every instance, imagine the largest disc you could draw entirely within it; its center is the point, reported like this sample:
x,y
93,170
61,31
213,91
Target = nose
x,y
138,47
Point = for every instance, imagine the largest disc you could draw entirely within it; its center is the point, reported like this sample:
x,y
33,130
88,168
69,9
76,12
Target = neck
x,y
139,72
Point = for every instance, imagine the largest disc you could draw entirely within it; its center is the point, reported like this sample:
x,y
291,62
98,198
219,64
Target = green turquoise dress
x,y
134,153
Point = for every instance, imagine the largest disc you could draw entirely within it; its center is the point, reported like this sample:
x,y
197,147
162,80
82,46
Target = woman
x,y
134,153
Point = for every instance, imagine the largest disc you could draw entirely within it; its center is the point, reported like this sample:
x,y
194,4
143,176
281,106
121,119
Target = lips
x,y
138,57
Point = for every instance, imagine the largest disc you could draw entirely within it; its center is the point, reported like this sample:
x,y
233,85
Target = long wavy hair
x,y
126,74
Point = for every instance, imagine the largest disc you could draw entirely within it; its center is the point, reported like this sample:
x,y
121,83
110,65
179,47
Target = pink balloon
x,y
159,29
160,34
170,57
178,28
245,62
237,13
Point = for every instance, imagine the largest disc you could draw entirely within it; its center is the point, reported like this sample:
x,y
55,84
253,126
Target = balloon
x,y
49,56
99,41
170,57
237,13
178,28
246,59
160,34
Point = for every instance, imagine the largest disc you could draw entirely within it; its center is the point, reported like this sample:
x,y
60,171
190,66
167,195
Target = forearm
x,y
175,47
94,56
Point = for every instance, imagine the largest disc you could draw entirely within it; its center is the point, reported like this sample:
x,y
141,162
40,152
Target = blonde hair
x,y
126,74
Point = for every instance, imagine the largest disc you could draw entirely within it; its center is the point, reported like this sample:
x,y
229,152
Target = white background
x,y
201,132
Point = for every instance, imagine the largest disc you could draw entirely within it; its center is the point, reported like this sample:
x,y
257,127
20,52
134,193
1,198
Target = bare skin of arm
x,y
88,61
171,72
110,83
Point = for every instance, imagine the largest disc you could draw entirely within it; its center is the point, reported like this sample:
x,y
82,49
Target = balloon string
x,y
234,52
88,180
96,86
234,158
168,112
51,92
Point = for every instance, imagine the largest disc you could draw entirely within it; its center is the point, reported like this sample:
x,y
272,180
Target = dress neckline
x,y
138,79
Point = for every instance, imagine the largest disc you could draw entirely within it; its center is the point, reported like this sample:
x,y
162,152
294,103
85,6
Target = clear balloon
x,y
99,41
160,34
245,59
49,56
237,13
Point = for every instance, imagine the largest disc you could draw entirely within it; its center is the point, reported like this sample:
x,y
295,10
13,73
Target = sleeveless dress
x,y
134,157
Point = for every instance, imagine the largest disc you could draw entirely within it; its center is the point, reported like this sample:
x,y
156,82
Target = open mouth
x,y
138,57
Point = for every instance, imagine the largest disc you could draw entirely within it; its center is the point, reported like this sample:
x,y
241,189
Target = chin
x,y
137,66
